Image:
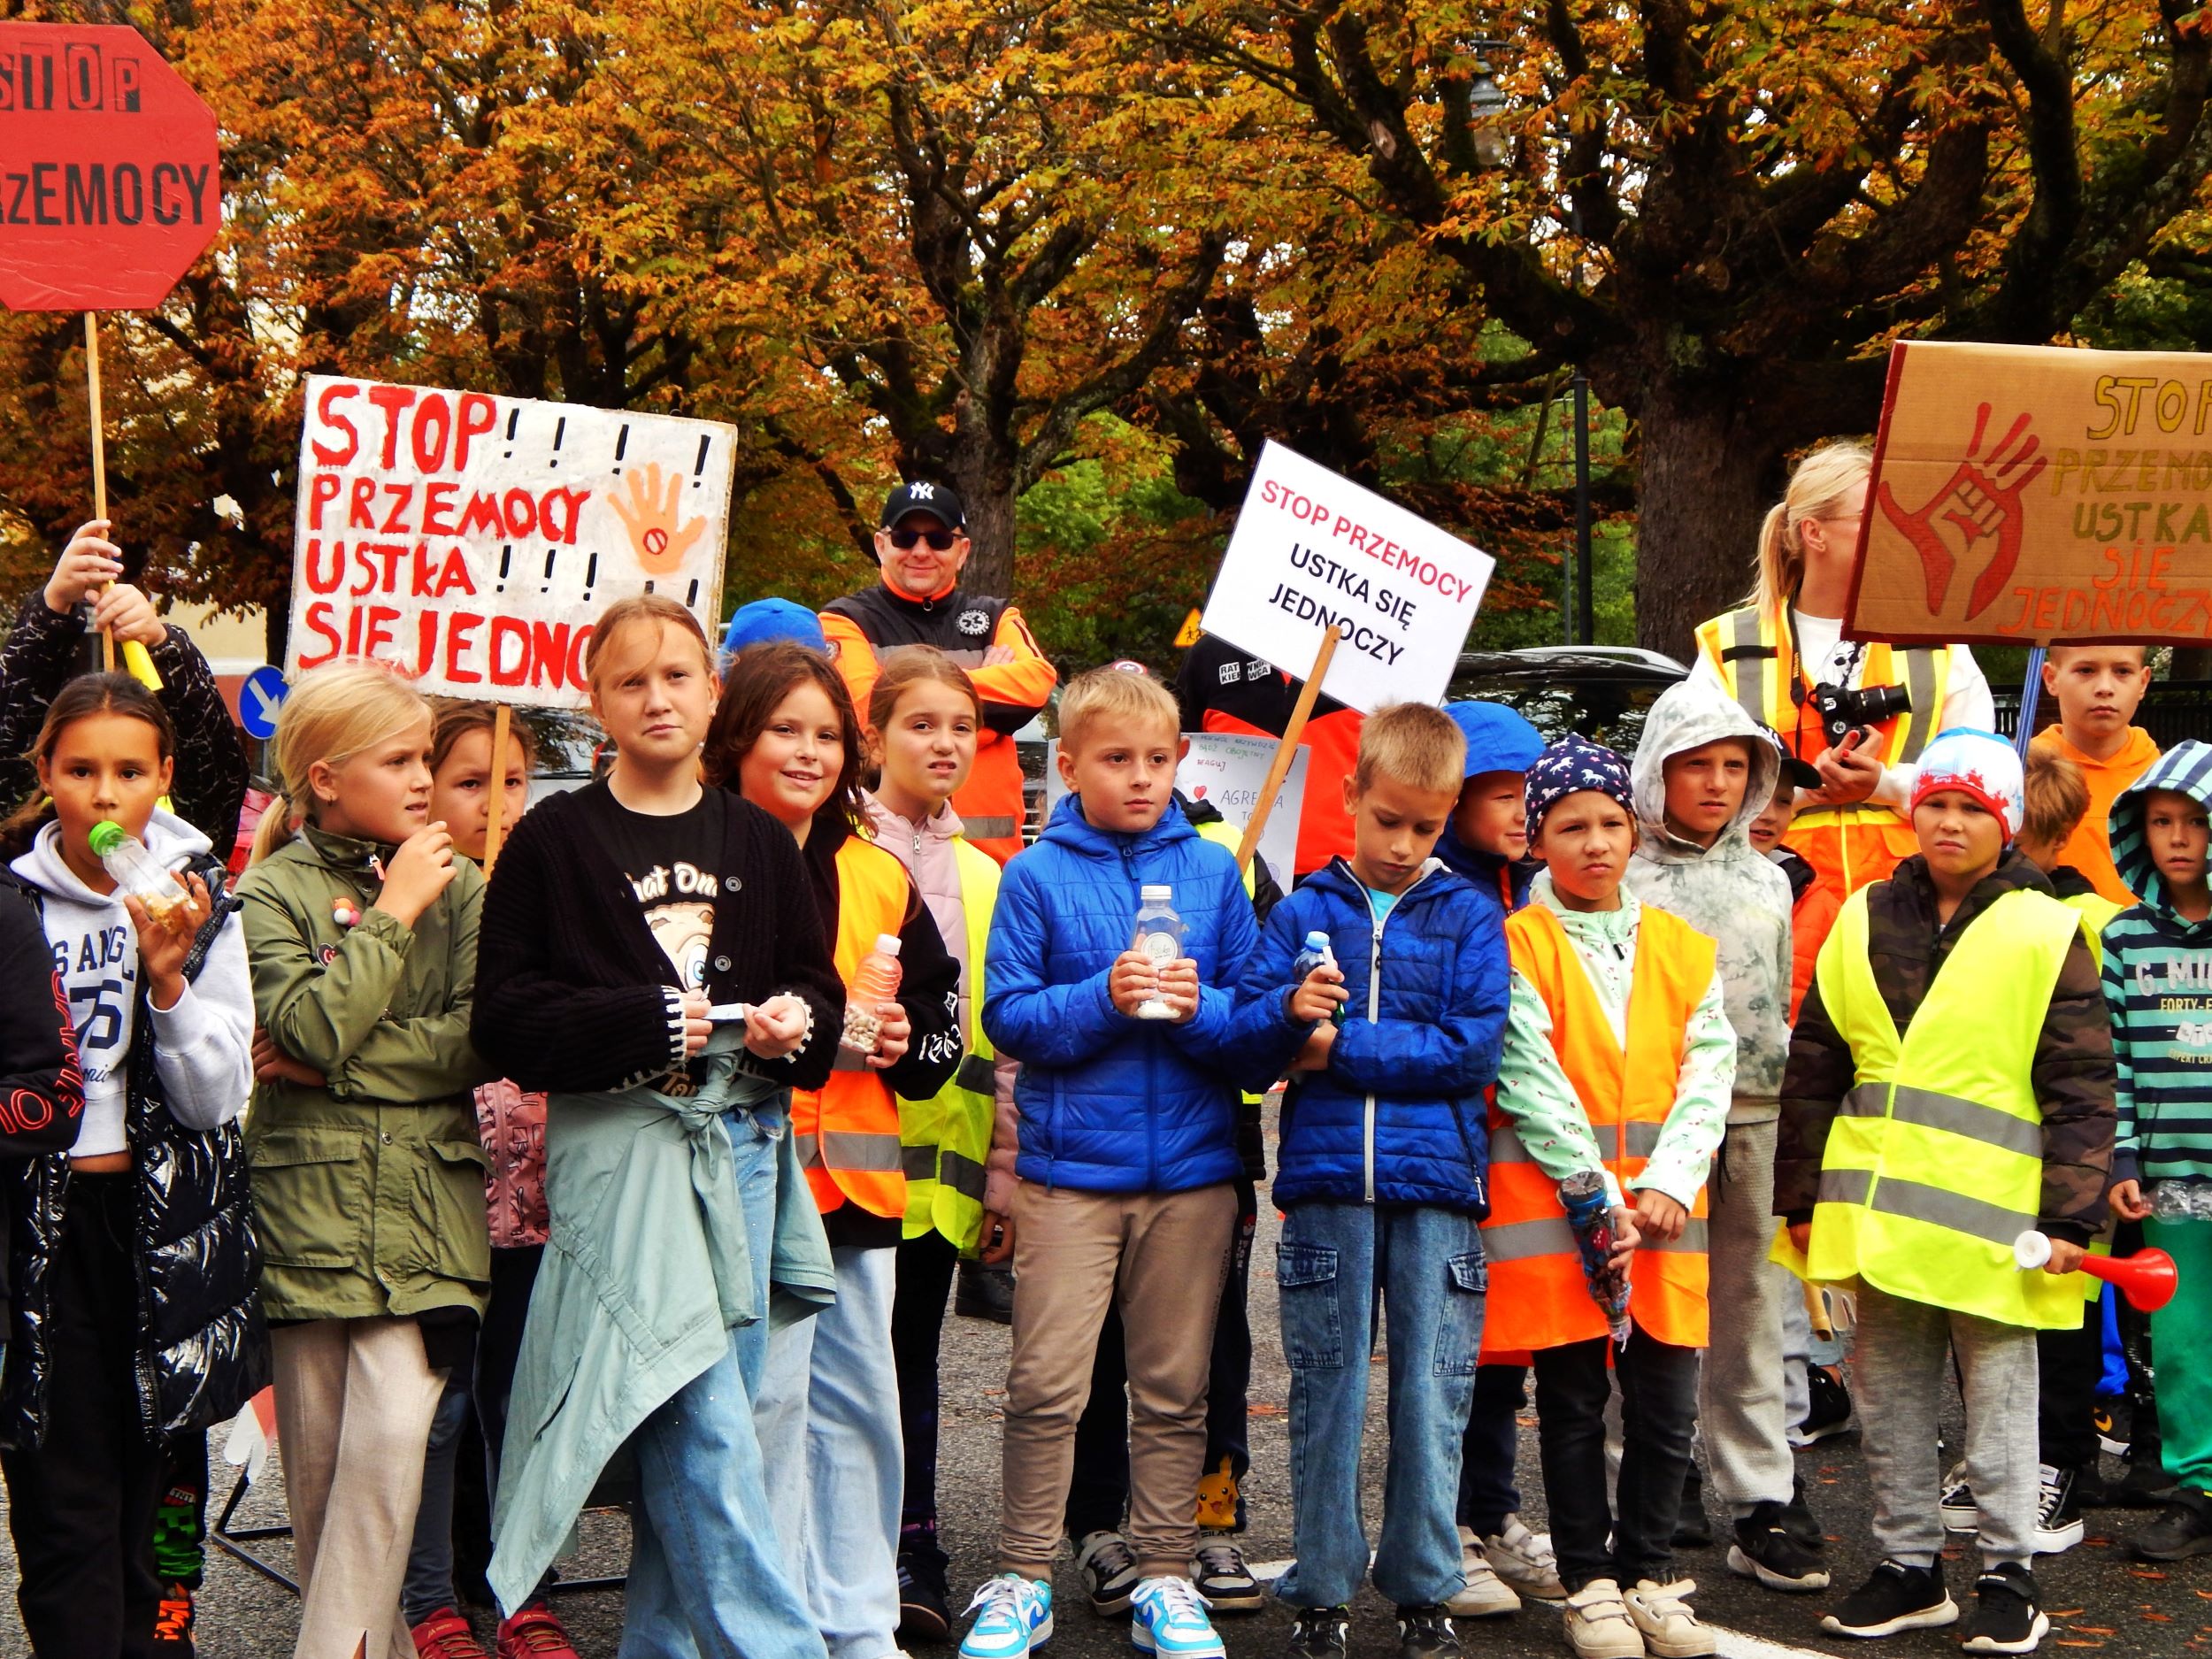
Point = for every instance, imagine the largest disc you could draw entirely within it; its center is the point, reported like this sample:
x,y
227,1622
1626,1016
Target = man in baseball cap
x,y
921,546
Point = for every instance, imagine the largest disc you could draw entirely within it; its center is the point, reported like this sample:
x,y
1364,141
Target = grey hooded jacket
x,y
1728,890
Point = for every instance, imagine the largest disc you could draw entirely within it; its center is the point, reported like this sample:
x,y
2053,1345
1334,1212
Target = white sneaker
x,y
1671,1629
1524,1561
1482,1594
1598,1624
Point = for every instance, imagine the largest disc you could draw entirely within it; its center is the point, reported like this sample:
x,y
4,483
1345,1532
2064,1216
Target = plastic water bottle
x,y
138,872
2181,1201
1316,954
1159,937
877,981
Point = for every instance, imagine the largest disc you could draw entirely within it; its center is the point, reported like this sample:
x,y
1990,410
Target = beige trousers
x,y
354,1400
1161,1256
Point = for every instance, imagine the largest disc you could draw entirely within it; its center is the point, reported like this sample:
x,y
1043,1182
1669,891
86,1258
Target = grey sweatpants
x,y
1899,1367
1740,1390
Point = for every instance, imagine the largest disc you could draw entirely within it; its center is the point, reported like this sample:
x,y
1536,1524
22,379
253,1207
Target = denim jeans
x,y
707,1578
1427,1264
428,1587
1658,1411
829,1427
1486,1453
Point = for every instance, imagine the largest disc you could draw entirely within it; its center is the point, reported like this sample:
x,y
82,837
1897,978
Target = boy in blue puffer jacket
x,y
1382,1173
1128,1157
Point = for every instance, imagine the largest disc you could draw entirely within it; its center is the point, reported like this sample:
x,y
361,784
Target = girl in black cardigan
x,y
619,919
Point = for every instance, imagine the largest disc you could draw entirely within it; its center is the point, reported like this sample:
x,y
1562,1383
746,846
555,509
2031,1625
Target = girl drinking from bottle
x,y
785,738
133,1259
924,713
368,1180
653,960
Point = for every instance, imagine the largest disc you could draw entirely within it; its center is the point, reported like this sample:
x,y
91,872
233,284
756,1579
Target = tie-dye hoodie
x,y
1729,890
2158,986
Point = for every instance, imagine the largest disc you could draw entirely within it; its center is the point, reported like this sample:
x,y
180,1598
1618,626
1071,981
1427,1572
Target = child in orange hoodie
x,y
2099,688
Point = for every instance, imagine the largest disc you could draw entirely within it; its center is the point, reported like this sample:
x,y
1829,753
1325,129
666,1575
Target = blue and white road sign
x,y
258,699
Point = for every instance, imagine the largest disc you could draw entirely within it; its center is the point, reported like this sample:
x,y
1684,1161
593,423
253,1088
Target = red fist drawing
x,y
1980,502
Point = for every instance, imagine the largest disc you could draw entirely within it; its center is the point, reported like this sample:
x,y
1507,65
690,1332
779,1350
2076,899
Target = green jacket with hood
x,y
1729,890
368,1191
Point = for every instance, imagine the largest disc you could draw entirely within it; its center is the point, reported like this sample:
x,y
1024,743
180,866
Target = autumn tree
x,y
1726,212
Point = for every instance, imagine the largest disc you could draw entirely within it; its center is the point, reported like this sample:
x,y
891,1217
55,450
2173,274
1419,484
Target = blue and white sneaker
x,y
1168,1618
1012,1616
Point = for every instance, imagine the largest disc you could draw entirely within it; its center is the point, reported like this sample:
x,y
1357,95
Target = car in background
x,y
1601,692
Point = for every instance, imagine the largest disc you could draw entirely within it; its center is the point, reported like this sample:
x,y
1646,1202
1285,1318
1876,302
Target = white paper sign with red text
x,y
1310,549
471,540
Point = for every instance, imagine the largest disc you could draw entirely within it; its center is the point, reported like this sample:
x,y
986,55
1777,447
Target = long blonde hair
x,y
1817,488
332,714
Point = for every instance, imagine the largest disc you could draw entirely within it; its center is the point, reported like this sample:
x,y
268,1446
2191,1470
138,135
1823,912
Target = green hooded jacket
x,y
369,1191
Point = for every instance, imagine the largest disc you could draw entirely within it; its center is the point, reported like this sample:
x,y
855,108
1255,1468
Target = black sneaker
x,y
1830,1411
2182,1529
1764,1551
2146,1485
1693,1527
1109,1567
1318,1633
2006,1617
173,1622
2058,1524
984,1293
1894,1598
1799,1522
1425,1633
2111,1416
924,1614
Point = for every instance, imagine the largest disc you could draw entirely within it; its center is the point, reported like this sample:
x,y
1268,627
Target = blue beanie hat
x,y
769,619
1499,739
1569,767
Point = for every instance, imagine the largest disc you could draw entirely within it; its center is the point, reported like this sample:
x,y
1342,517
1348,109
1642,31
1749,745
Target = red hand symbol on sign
x,y
656,536
1977,503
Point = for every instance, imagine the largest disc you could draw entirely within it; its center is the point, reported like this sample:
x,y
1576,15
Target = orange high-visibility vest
x,y
1853,845
1539,1297
847,1133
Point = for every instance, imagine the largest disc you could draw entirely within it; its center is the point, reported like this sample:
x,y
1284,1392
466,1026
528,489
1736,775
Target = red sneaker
x,y
445,1634
534,1633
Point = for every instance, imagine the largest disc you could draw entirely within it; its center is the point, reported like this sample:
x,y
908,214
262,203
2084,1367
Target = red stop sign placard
x,y
110,184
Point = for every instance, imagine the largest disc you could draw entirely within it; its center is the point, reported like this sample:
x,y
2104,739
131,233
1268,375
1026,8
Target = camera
x,y
1841,708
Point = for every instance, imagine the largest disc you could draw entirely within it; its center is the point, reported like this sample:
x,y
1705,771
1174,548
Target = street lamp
x,y
1488,107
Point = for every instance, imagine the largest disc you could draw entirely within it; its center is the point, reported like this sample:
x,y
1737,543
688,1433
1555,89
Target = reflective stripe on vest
x,y
948,1139
847,1134
1538,1295
1760,642
1934,1161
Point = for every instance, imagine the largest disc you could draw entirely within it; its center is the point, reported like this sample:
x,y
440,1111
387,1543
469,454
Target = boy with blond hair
x,y
2098,689
1128,1154
1382,1177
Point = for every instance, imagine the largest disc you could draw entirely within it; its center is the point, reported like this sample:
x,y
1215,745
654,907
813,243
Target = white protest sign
x,y
471,540
1311,548
1227,772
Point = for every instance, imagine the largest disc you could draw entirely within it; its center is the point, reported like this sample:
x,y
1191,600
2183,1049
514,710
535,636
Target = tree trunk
x,y
984,478
1708,476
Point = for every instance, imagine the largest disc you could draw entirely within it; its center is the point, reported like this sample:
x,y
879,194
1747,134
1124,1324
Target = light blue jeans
x,y
1427,1266
707,1578
829,1425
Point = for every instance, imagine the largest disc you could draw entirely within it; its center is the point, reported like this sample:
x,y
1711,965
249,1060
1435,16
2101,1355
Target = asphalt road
x,y
2099,1600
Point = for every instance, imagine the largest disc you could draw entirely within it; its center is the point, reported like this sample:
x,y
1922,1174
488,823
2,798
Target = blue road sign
x,y
258,699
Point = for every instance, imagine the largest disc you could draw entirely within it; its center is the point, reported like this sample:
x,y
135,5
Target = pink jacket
x,y
511,1123
925,849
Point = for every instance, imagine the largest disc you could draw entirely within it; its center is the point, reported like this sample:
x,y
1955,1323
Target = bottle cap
x,y
1316,940
1156,892
888,943
106,837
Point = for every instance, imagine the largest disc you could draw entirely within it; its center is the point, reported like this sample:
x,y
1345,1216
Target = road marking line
x,y
1728,1643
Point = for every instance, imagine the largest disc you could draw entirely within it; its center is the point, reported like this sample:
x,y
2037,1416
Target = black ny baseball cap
x,y
937,500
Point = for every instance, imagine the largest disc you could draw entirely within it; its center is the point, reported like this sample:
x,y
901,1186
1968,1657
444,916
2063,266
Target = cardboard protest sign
x,y
110,183
1310,549
2027,495
1228,772
472,540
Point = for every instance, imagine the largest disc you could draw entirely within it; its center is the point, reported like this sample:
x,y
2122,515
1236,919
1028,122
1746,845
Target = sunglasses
x,y
940,540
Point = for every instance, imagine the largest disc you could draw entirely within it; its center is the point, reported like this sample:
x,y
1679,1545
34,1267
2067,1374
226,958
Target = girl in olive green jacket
x,y
368,1179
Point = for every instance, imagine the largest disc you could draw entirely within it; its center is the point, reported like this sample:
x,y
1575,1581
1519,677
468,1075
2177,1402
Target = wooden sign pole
x,y
1287,751
497,784
99,457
